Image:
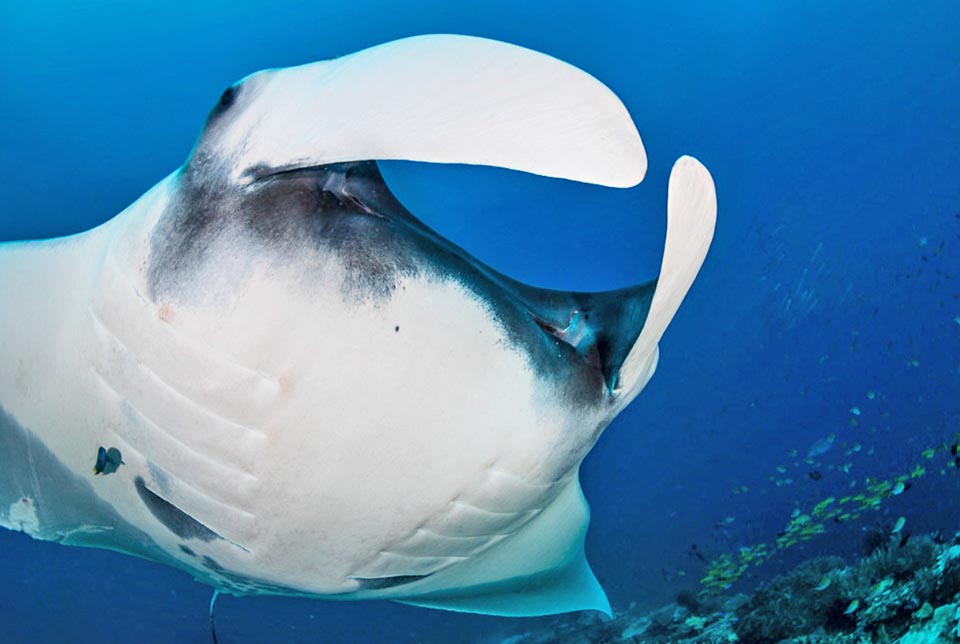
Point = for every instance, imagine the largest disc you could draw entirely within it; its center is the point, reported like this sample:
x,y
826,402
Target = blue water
x,y
832,132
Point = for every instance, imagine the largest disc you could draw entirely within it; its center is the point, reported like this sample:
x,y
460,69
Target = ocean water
x,y
826,320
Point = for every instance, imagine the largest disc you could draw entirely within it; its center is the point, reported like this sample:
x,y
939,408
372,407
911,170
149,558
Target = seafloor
x,y
905,590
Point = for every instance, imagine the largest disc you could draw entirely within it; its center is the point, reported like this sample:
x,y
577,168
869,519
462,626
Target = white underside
x,y
322,444
326,447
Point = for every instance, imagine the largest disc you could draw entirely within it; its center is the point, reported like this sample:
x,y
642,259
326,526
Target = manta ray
x,y
269,374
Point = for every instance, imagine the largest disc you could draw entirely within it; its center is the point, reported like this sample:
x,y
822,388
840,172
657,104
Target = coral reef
x,y
726,569
906,591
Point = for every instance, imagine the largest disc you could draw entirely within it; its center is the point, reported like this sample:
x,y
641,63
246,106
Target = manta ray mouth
x,y
337,179
263,174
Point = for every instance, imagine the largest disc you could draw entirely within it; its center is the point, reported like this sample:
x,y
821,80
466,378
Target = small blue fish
x,y
101,461
822,446
108,461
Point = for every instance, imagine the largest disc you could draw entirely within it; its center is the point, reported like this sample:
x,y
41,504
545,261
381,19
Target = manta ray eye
x,y
227,98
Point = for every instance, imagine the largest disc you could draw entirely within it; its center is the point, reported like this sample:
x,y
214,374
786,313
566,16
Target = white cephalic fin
x,y
436,98
691,219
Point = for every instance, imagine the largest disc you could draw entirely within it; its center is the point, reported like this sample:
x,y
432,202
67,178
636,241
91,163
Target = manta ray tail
x,y
213,617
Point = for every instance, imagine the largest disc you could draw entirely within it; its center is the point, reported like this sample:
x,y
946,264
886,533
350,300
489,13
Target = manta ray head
x,y
336,235
254,202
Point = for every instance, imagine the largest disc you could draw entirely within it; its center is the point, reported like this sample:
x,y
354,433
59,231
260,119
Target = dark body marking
x,y
176,520
345,212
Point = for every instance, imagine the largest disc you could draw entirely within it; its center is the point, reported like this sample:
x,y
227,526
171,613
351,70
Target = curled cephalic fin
x,y
435,98
691,219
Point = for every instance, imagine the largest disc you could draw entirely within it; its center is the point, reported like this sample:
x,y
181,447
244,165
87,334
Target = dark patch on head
x,y
396,329
309,216
305,217
187,551
381,583
176,520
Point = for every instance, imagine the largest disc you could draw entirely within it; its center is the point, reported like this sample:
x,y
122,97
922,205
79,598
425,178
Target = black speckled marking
x,y
176,520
